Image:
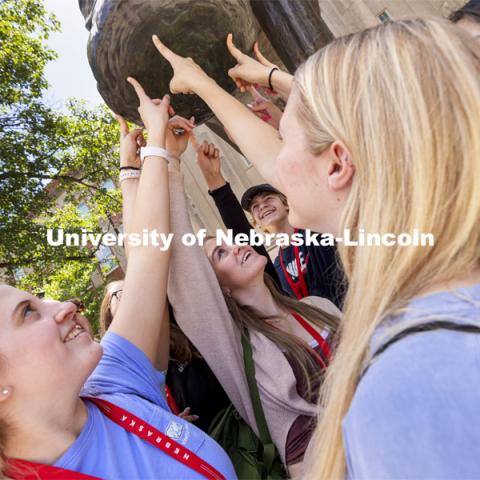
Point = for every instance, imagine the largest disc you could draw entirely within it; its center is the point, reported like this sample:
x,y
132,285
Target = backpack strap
x,y
420,328
269,450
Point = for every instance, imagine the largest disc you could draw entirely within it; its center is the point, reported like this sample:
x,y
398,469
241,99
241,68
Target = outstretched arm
x,y
130,143
144,292
200,308
257,140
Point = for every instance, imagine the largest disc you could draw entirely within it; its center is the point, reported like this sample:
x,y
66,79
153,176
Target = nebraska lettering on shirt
x,y
132,422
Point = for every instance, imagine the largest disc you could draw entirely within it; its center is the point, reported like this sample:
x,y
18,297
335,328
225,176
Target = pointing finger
x,y
123,125
260,57
165,103
234,51
138,88
164,50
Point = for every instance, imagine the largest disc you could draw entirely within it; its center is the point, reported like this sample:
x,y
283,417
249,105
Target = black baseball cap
x,y
471,8
252,192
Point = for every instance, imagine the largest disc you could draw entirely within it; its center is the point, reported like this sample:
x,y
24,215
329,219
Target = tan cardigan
x,y
202,314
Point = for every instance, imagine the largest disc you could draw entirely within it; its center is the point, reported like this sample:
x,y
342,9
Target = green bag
x,y
253,458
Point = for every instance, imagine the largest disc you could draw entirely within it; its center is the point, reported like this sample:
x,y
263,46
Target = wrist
x,y
128,164
156,140
204,85
174,165
174,151
215,181
263,81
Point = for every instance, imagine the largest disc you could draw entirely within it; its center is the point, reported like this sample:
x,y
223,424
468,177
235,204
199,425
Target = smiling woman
x,y
291,339
61,385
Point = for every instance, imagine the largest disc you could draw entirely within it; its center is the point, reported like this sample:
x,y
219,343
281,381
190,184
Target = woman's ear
x,y
340,169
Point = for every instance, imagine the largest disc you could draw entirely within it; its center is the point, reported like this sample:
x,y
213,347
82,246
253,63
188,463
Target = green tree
x,y
47,156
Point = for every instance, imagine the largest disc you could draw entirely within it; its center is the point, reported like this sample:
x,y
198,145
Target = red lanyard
x,y
299,288
132,424
171,401
322,343
23,470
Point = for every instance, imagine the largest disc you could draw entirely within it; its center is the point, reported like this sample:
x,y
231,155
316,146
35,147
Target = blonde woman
x,y
381,132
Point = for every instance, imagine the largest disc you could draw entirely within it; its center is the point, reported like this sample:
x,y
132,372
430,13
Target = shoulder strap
x,y
423,327
17,469
133,424
155,437
269,449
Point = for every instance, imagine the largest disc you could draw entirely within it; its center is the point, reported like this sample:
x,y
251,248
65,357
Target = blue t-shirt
x,y
127,378
415,414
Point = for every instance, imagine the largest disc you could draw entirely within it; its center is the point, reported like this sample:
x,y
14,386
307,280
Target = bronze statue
x,y
120,45
120,42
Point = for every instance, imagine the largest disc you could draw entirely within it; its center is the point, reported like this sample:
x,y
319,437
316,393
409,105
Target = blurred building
x,y
348,16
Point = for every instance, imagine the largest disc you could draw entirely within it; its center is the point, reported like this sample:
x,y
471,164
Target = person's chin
x,y
297,220
272,222
258,266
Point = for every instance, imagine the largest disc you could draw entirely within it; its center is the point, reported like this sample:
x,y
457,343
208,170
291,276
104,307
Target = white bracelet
x,y
156,152
127,173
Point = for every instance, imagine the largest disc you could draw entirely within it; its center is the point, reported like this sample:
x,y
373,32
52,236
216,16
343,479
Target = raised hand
x,y
130,144
154,114
187,75
178,133
265,108
208,159
247,71
261,58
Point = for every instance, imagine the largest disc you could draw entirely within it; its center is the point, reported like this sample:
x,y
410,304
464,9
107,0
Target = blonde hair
x,y
404,98
294,348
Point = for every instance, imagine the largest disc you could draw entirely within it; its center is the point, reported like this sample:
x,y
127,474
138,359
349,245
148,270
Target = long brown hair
x,y
181,350
293,347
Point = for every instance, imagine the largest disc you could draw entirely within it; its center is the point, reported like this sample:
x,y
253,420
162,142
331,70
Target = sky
x,y
70,75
